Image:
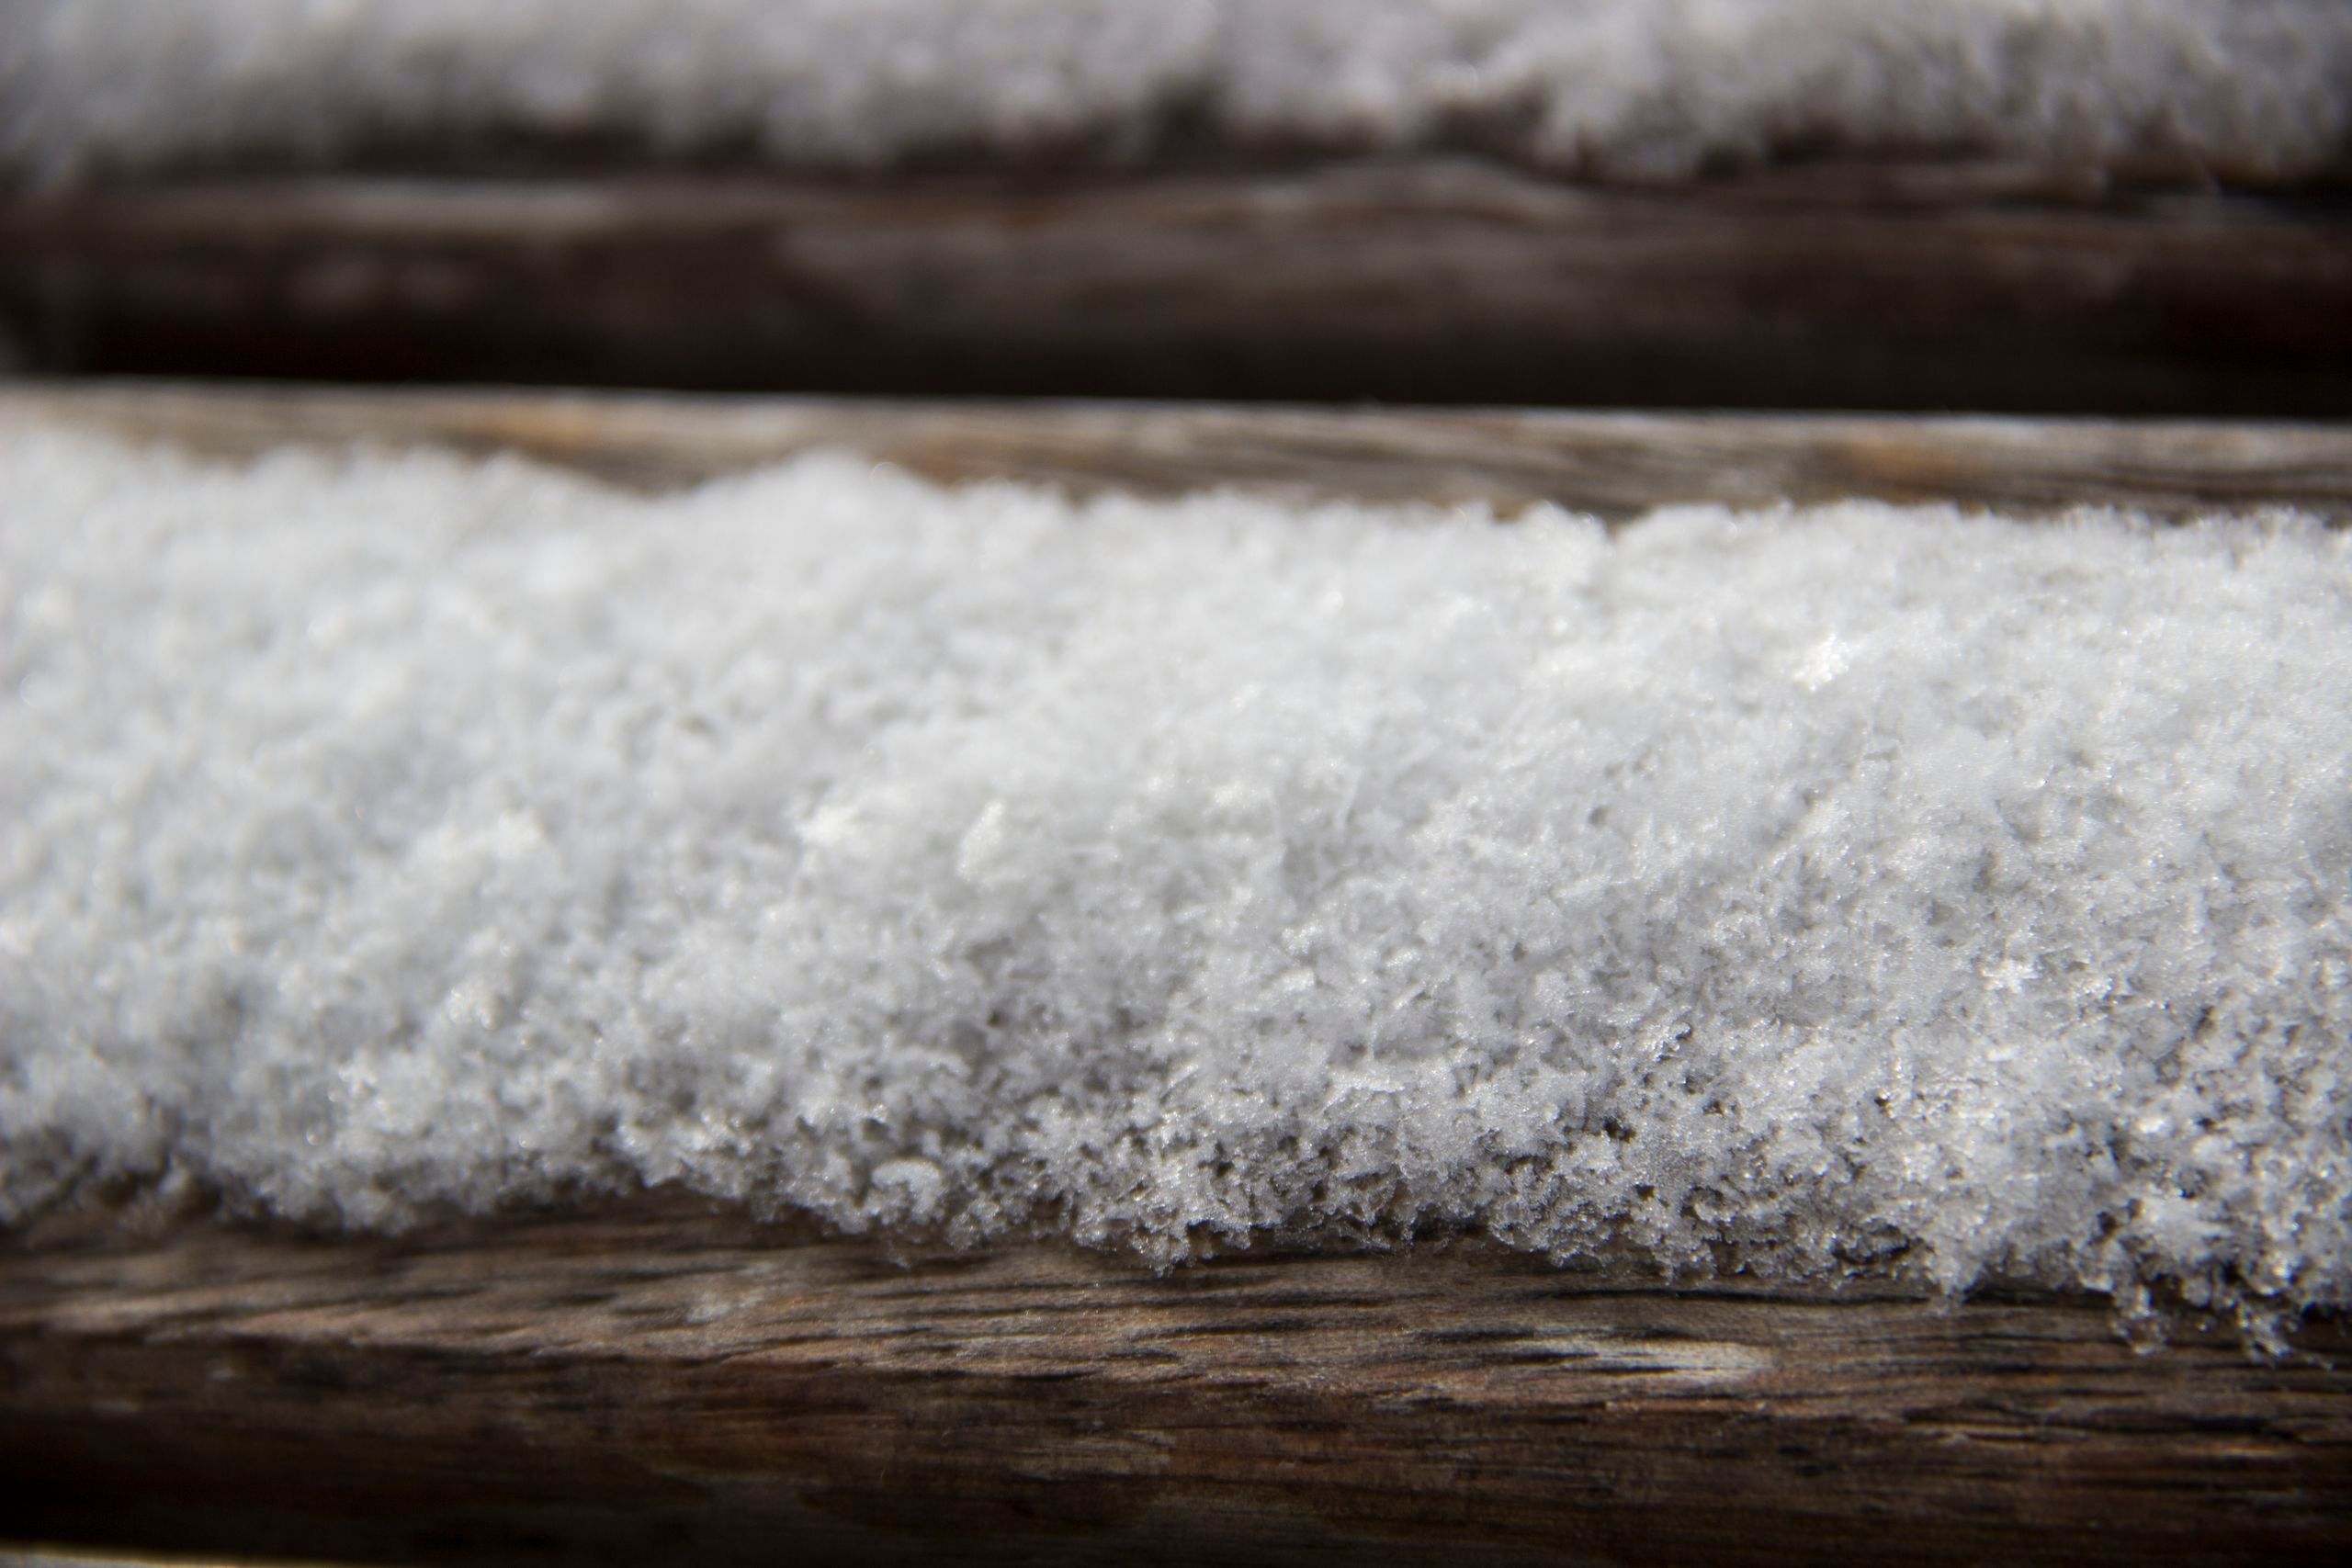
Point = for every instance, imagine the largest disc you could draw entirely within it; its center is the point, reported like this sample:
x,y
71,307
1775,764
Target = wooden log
x,y
1918,287
1616,465
658,1380
674,1386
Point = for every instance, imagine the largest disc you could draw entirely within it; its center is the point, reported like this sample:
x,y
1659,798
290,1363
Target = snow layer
x,y
1800,891
1644,88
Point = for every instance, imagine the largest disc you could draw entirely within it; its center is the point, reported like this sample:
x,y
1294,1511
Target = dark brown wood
x,y
1924,286
1614,465
672,1386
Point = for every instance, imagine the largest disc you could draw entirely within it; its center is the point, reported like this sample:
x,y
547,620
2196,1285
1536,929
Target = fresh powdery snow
x,y
1803,891
1623,89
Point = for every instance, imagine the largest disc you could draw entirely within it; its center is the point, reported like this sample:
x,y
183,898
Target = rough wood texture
x,y
1614,465
1934,286
671,1387
663,1382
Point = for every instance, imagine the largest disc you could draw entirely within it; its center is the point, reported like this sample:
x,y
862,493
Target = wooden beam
x,y
1616,465
1903,286
675,1385
662,1380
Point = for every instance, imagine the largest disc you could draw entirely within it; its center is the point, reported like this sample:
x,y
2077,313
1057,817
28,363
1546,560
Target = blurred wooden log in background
x,y
1916,286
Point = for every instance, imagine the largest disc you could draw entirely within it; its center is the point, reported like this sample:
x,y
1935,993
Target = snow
x,y
1640,89
1797,892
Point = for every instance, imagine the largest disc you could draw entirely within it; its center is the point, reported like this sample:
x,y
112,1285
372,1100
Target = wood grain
x,y
671,1385
1616,465
1863,285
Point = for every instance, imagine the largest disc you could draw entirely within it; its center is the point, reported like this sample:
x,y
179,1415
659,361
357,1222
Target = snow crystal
x,y
1638,88
1799,892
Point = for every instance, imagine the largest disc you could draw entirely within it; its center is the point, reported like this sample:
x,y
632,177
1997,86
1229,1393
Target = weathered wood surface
x,y
1920,286
1612,463
660,1381
672,1386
